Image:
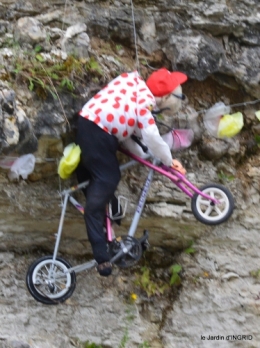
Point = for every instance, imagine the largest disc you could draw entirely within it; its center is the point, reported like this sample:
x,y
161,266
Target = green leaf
x,y
176,268
54,76
31,85
255,273
40,58
189,251
175,279
37,48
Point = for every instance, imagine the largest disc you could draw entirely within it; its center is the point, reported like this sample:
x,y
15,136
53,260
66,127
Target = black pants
x,y
98,164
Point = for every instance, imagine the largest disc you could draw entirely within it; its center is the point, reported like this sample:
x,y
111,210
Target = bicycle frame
x,y
177,178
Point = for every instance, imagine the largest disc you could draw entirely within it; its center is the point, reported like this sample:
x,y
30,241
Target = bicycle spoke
x,y
217,210
208,211
221,200
38,281
44,275
62,283
205,202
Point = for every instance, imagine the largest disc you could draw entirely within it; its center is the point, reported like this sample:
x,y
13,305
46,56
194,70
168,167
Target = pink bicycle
x,y
52,280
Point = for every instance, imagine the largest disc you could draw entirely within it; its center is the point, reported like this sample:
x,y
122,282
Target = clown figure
x,y
121,109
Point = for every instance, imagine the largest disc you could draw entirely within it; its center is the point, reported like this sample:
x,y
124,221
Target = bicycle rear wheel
x,y
49,281
208,212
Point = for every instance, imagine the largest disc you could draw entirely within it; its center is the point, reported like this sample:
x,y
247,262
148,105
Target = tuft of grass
x,y
255,274
87,344
47,77
225,177
147,283
153,286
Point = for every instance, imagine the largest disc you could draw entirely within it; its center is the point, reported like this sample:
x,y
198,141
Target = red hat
x,y
162,81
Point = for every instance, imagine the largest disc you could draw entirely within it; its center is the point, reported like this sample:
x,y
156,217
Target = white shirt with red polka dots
x,y
122,108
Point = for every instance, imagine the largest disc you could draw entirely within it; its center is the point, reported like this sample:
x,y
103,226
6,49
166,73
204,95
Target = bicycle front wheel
x,y
49,281
208,212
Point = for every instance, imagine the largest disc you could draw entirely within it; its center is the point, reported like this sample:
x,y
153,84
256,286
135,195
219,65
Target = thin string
x,y
149,66
246,103
233,105
135,38
65,8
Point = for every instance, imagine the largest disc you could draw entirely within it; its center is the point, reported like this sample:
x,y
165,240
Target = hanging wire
x,y
233,105
149,66
246,103
135,37
65,8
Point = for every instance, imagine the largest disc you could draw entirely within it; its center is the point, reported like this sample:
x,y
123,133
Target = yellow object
x,y
69,161
230,125
133,297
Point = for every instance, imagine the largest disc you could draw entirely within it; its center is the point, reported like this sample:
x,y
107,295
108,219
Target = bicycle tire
x,y
207,212
50,289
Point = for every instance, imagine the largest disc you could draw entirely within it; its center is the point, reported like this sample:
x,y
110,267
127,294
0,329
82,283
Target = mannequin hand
x,y
178,166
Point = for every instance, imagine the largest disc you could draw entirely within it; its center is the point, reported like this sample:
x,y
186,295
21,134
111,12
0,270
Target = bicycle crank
x,y
129,258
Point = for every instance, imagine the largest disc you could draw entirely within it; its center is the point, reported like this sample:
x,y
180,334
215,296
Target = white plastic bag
x,y
23,166
257,113
213,115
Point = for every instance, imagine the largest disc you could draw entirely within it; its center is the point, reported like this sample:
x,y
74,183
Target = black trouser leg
x,y
99,164
98,195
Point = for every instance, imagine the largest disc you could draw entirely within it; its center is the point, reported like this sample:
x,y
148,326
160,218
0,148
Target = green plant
x,y
119,47
225,177
255,274
38,48
144,345
44,77
10,43
130,315
67,83
93,66
190,249
146,283
128,319
76,342
124,339
175,277
257,139
87,344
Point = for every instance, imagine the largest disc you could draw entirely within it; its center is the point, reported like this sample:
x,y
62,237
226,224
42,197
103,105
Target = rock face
x,y
216,41
217,45
222,293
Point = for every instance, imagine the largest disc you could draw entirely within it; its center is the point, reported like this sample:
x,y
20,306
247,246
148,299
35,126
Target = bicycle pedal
x,y
145,245
144,241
